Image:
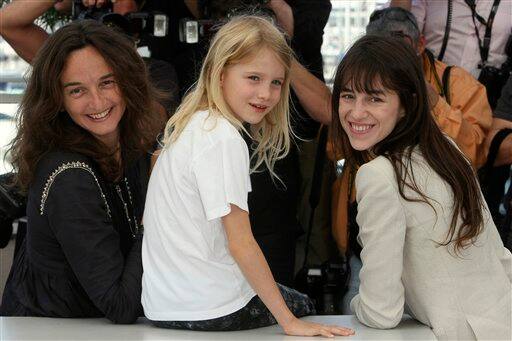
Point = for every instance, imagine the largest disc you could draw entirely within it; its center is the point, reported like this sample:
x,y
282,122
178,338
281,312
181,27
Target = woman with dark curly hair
x,y
85,128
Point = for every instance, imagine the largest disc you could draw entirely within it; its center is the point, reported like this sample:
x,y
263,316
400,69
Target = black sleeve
x,y
310,18
77,214
504,107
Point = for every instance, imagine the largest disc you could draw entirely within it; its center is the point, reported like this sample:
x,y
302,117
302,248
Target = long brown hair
x,y
42,123
395,64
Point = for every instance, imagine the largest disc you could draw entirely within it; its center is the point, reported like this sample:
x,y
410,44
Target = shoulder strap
x,y
483,47
316,185
432,65
495,146
446,83
446,30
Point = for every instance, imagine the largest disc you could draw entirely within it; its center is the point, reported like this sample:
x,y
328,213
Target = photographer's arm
x,y
502,119
284,15
18,29
313,94
504,156
250,259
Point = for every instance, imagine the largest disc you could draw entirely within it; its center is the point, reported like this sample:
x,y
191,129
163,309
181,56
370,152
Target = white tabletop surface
x,y
40,328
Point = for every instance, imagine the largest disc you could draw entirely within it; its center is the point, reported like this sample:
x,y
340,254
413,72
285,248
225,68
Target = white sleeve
x,y
382,226
419,9
222,176
503,254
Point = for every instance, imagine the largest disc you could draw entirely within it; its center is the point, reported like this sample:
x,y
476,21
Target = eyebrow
x,y
108,75
261,74
371,92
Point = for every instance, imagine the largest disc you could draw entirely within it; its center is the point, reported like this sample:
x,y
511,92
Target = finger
x,y
341,331
341,328
326,333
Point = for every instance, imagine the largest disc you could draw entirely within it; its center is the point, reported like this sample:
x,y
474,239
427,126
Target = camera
x,y
493,78
217,11
140,25
325,284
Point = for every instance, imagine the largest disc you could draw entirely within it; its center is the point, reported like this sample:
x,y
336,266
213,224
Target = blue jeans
x,y
353,284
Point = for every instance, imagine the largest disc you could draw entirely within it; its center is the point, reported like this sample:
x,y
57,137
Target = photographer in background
x,y
470,34
18,28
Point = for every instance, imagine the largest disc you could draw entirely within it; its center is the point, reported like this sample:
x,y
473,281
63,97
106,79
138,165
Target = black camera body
x,y
325,284
493,78
140,25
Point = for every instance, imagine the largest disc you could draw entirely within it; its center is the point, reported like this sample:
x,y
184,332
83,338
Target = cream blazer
x,y
461,297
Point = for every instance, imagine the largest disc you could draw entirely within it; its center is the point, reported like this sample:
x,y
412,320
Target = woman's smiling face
x,y
368,118
91,95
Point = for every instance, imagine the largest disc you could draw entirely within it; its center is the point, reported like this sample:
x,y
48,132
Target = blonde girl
x,y
203,270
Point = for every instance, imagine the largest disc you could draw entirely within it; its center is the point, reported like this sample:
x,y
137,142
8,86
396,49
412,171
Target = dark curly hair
x,y
44,126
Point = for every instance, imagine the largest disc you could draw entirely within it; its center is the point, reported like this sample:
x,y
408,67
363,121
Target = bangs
x,y
364,74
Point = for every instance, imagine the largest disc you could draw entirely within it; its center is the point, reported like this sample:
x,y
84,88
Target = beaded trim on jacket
x,y
62,168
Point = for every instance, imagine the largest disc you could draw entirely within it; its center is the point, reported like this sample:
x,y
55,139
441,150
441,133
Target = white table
x,y
40,328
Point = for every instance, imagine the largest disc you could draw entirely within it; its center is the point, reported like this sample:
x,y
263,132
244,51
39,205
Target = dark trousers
x,y
254,315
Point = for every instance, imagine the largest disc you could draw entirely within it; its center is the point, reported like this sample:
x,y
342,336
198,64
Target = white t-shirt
x,y
189,273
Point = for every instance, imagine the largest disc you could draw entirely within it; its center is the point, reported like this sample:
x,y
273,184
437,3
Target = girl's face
x,y
91,95
252,87
368,118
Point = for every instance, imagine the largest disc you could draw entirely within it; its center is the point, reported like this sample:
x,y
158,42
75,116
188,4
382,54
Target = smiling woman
x,y
86,127
428,241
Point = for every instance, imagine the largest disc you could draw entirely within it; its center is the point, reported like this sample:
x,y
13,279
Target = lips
x,y
259,107
100,116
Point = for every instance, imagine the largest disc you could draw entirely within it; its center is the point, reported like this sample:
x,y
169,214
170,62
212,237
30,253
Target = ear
x,y
401,112
422,43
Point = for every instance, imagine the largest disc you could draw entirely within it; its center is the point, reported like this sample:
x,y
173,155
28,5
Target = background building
x,y
346,24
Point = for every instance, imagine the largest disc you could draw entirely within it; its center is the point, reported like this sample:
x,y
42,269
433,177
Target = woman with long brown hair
x,y
428,242
86,124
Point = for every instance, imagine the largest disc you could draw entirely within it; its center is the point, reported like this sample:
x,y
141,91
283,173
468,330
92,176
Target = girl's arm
x,y
18,29
250,259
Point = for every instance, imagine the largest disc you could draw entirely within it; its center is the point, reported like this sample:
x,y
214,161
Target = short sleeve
x,y
221,172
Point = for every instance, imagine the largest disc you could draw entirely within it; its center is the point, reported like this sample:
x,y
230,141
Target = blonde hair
x,y
240,38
